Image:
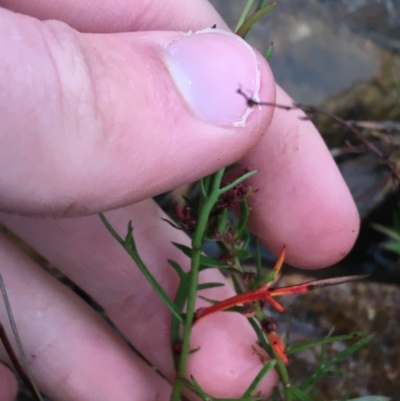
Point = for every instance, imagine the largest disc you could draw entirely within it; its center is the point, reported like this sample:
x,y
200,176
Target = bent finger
x,y
302,200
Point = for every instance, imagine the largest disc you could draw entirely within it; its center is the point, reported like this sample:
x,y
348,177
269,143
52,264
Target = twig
x,y
312,110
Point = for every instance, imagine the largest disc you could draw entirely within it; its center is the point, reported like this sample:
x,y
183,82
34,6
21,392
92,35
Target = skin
x,y
65,167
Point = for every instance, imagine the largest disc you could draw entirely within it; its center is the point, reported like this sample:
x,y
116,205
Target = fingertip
x,y
302,200
226,361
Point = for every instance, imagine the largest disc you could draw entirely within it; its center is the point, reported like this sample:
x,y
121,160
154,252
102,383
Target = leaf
x,y
325,367
211,301
205,261
244,14
292,349
177,268
269,51
244,217
193,204
223,220
242,178
179,303
250,21
129,240
259,378
194,350
204,184
299,394
231,167
205,286
268,278
392,246
199,391
244,254
260,336
130,247
387,231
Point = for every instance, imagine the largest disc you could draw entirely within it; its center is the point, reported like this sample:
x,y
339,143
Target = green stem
x,y
206,204
130,247
283,374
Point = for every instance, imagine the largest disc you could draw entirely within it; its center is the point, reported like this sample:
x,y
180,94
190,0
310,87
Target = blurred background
x,y
343,56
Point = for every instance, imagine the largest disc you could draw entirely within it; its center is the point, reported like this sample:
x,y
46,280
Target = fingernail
x,y
208,67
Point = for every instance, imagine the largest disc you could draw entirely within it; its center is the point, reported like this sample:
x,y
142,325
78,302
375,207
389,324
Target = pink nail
x,y
208,67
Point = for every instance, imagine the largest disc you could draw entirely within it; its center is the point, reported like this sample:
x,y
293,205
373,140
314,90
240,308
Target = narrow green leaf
x,y
223,220
392,246
244,14
156,286
244,217
111,230
269,52
244,254
232,167
199,391
250,21
261,4
299,394
268,278
194,350
242,178
177,268
204,184
179,302
325,368
205,286
185,249
258,260
387,231
130,247
129,241
236,284
260,336
193,204
291,349
246,239
211,301
259,378
205,261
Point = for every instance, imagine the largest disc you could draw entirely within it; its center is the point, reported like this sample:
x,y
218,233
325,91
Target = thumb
x,y
93,122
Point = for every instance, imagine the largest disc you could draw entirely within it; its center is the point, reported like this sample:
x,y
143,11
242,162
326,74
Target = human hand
x,y
102,120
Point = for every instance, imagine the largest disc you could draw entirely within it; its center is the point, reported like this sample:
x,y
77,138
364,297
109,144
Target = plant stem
x,y
283,374
207,202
